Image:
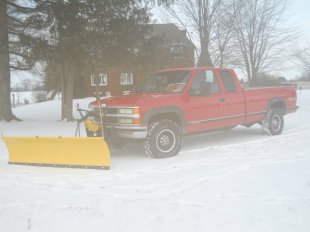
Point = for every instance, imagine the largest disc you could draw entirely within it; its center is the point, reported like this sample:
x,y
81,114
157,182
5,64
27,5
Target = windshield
x,y
169,82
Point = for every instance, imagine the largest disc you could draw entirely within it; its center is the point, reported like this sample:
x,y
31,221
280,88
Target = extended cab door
x,y
234,99
205,107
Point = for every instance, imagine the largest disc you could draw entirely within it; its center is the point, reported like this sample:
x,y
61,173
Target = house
x,y
166,46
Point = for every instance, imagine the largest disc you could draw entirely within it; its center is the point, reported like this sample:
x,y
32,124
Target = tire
x,y
273,123
164,139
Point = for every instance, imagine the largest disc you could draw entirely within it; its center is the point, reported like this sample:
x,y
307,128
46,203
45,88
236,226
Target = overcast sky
x,y
301,13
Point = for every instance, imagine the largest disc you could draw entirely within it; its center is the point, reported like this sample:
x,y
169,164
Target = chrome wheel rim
x,y
276,123
165,141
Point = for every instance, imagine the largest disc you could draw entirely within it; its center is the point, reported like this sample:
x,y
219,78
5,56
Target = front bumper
x,y
130,132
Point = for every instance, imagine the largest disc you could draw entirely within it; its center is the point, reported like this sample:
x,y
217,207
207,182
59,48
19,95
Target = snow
x,y
238,180
28,97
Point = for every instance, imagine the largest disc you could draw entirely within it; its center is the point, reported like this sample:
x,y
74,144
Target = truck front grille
x,y
111,116
111,110
111,120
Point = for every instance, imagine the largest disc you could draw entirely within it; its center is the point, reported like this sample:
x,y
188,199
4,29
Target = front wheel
x,y
273,123
164,139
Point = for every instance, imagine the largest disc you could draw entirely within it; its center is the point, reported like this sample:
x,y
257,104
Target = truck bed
x,y
257,100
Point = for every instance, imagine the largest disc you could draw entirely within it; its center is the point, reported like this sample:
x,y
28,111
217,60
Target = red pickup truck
x,y
174,102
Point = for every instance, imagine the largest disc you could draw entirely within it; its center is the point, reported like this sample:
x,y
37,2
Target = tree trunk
x,y
66,65
69,95
204,58
67,92
5,93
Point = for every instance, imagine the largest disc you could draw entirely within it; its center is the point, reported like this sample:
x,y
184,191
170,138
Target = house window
x,y
177,51
103,79
134,51
126,78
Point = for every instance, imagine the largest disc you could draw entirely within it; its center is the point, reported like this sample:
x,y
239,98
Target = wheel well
x,y
280,105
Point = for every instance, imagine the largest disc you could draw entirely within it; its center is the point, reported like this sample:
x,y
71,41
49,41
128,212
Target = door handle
x,y
222,99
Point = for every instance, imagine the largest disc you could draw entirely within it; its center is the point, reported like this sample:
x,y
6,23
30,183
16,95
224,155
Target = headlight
x,y
129,111
129,120
125,120
126,111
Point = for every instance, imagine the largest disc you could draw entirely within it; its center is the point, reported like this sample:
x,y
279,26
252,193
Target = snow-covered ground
x,y
236,180
28,97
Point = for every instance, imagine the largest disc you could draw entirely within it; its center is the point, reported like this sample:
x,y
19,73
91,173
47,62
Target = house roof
x,y
171,34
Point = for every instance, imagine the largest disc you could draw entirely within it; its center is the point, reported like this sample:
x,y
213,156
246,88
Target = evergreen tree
x,y
12,56
82,35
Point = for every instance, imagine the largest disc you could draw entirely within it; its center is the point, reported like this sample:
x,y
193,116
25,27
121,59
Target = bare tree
x,y
161,2
260,33
201,17
26,84
223,51
303,57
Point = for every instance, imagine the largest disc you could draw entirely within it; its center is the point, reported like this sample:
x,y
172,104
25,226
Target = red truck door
x,y
233,97
204,112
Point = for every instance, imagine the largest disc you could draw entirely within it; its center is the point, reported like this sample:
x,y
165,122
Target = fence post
x,y
13,98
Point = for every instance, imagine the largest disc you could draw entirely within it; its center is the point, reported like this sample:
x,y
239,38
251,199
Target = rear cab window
x,y
228,81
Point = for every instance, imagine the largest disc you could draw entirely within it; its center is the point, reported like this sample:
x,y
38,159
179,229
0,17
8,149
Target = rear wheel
x,y
273,123
164,139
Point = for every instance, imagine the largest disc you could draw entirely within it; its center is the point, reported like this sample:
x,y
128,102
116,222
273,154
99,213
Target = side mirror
x,y
205,89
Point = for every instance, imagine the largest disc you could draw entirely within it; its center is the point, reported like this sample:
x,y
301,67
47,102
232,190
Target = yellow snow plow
x,y
75,152
63,152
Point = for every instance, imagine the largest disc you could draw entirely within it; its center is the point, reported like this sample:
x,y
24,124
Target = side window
x,y
212,79
204,76
228,81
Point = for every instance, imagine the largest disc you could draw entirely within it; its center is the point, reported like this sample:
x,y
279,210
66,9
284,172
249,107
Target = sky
x,y
299,14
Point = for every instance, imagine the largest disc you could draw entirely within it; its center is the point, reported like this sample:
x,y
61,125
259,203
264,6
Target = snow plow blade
x,y
59,152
